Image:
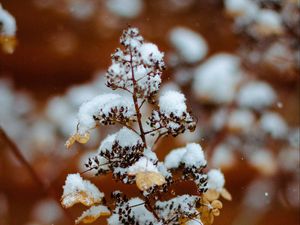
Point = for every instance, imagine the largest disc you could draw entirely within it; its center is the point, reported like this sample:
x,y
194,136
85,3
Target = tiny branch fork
x,y
47,189
151,131
135,101
129,127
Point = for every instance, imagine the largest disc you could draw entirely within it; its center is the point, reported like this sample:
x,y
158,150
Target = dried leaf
x,y
226,195
93,213
79,197
80,138
216,212
78,190
211,195
146,180
216,204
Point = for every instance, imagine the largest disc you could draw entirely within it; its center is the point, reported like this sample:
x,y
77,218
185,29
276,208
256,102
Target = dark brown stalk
x,y
135,101
47,189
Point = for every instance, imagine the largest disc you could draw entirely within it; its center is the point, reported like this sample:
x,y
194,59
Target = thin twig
x,y
142,103
47,189
151,131
124,88
129,127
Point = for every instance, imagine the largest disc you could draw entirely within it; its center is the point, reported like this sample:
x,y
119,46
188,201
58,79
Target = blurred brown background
x,y
56,50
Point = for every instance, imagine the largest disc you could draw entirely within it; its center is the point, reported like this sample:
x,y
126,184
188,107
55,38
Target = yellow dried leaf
x,y
216,204
207,217
79,197
216,212
226,195
211,195
8,44
146,180
80,138
92,214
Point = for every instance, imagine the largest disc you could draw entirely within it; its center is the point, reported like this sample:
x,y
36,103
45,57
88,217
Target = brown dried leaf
x,y
80,138
216,212
146,180
216,204
211,195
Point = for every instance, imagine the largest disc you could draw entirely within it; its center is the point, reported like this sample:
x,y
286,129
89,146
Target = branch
x,y
135,101
47,189
129,127
124,88
142,103
151,131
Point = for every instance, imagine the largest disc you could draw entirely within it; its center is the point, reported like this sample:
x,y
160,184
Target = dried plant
x,y
129,153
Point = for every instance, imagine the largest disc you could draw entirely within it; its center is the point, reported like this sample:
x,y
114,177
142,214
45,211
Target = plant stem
x,y
135,101
45,188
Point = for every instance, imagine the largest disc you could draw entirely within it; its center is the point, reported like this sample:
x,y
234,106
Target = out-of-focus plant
x,y
8,29
129,154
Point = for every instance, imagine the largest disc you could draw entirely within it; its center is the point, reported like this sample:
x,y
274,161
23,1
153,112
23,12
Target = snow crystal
x,y
172,102
8,23
273,124
102,105
125,8
149,154
217,79
215,180
181,204
163,170
74,185
125,138
257,95
190,45
173,159
191,155
194,156
142,165
150,53
138,210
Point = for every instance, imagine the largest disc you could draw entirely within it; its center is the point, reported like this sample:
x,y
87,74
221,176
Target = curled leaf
x,y
226,195
77,190
80,138
216,204
93,213
211,194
